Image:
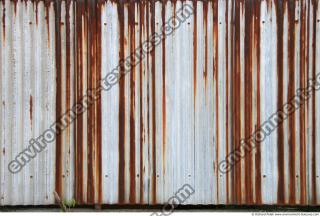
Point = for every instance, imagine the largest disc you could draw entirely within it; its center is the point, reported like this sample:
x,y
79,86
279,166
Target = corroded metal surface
x,y
175,116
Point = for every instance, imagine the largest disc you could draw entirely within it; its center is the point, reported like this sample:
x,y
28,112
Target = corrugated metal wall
x,y
28,92
175,116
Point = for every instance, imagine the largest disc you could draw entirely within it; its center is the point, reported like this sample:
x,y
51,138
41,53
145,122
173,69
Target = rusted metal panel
x,y
27,99
175,115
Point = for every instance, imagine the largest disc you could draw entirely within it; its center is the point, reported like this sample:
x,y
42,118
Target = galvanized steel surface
x,y
174,116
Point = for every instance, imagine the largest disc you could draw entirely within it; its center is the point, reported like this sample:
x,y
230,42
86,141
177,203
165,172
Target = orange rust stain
x,y
98,113
302,109
308,68
47,17
131,23
91,111
68,59
37,11
252,26
227,95
280,19
236,92
79,83
147,78
205,26
248,79
291,93
194,2
15,6
4,21
153,73
88,15
141,30
31,107
195,54
257,7
57,8
121,189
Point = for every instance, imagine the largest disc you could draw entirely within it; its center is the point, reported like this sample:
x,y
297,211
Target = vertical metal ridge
x,y
131,24
291,91
59,113
79,136
121,192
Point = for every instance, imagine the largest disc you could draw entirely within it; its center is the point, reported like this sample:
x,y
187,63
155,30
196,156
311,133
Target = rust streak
x,y
79,75
153,73
195,54
47,5
131,23
205,26
291,93
141,10
91,120
258,148
249,17
15,6
216,80
280,19
148,85
37,11
227,96
68,64
98,111
302,110
31,106
4,21
194,2
58,183
122,120
236,92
